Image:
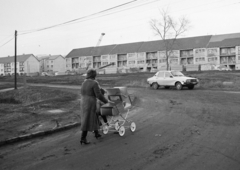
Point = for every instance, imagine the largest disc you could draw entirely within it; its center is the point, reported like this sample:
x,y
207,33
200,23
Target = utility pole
x,y
15,60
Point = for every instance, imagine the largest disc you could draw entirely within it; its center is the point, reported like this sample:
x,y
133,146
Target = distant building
x,y
205,52
2,69
26,63
52,63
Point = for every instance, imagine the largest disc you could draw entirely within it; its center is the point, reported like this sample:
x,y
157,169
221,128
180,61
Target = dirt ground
x,y
178,130
34,109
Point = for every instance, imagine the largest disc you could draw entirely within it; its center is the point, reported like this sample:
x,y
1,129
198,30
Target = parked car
x,y
68,72
46,74
169,79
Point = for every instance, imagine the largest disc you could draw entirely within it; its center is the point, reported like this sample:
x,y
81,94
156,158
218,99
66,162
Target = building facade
x,y
26,64
52,63
205,52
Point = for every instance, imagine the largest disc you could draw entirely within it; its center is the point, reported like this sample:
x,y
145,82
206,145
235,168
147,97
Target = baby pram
x,y
118,111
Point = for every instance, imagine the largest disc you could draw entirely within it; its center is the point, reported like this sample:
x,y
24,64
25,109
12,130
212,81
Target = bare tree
x,y
169,30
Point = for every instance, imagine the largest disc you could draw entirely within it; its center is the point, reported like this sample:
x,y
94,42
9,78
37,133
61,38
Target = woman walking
x,y
90,92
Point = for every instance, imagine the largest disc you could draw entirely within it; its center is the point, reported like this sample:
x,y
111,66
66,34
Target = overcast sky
x,y
122,24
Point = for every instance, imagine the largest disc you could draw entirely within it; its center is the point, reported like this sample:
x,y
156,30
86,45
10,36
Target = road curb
x,y
38,134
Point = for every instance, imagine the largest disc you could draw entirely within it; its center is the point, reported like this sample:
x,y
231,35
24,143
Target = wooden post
x,y
15,60
24,81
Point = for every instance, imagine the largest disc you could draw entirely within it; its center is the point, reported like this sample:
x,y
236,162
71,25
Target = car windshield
x,y
177,74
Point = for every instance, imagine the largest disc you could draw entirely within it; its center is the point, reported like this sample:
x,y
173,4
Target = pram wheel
x,y
117,126
105,129
121,131
133,126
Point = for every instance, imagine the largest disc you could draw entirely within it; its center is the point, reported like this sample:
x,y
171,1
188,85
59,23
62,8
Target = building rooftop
x,y
20,58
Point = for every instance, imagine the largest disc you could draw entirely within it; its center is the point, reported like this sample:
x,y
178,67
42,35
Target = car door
x,y
168,79
160,77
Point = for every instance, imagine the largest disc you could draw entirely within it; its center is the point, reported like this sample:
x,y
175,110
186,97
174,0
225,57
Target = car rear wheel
x,y
191,87
155,86
178,86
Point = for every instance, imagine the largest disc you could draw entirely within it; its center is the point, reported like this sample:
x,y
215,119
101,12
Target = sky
x,y
55,27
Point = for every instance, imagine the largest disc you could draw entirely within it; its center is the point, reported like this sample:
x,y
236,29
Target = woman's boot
x,y
83,138
97,135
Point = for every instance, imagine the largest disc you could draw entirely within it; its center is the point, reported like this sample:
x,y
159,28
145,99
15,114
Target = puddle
x,y
55,111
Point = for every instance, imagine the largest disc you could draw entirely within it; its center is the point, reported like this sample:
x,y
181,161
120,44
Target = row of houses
x,y
192,53
30,64
205,51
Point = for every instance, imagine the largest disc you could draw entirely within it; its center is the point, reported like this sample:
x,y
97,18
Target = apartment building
x,y
191,53
52,63
26,63
1,69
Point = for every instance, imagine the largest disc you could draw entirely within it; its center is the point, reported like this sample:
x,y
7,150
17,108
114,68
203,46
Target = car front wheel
x,y
178,86
155,86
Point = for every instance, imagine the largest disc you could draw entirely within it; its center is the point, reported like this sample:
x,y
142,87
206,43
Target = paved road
x,y
188,129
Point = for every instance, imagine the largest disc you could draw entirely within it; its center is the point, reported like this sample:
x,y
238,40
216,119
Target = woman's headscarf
x,y
91,74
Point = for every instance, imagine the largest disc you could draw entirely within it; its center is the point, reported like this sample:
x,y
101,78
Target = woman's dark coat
x,y
90,92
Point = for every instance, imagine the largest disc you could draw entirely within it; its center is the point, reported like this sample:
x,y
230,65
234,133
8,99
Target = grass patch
x,y
9,100
8,85
208,79
137,83
33,96
233,84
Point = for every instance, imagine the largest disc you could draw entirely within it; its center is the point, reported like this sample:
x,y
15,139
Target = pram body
x,y
118,111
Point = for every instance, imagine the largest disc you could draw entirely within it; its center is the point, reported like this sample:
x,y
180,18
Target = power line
x,y
102,15
7,42
114,12
174,11
112,30
74,20
86,18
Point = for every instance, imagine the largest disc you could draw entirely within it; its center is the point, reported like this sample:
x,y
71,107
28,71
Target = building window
x,y
152,55
186,53
162,60
212,52
113,57
140,62
51,66
131,62
223,51
105,63
122,57
200,59
174,61
223,60
104,57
